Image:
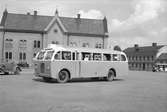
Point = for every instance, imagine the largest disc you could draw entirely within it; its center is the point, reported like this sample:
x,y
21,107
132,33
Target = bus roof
x,y
95,50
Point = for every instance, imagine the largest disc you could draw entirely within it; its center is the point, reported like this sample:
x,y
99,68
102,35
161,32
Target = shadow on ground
x,y
76,80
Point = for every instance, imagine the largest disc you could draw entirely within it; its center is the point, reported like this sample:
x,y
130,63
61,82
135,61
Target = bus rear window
x,y
41,55
49,55
123,58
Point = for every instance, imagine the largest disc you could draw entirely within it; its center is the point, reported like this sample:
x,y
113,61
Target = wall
x,y
83,39
29,37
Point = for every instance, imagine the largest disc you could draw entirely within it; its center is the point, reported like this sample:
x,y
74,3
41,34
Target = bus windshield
x,y
49,55
41,55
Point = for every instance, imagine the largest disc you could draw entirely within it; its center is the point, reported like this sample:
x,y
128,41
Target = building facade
x,y
23,35
161,60
142,58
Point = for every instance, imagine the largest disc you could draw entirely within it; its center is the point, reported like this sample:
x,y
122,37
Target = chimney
x,y
78,16
136,46
105,25
154,44
35,13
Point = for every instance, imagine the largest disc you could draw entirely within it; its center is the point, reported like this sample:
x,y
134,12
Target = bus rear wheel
x,y
111,75
63,76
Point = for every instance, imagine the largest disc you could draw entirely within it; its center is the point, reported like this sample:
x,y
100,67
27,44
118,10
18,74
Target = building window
x,y
73,44
136,58
22,43
148,58
37,44
8,55
22,56
152,58
98,45
57,42
8,43
85,45
140,58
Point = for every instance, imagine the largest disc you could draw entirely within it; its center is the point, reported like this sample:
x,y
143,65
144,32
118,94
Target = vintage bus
x,y
66,63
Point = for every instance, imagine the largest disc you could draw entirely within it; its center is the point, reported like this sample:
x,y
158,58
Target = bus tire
x,y
63,76
111,75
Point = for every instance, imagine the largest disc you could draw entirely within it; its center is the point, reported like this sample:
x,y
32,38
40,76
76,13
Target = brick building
x,y
23,35
142,58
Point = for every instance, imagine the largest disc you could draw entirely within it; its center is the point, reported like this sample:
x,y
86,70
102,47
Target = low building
x,y
142,58
23,35
161,59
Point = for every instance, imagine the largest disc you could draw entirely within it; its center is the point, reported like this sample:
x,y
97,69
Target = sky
x,y
129,21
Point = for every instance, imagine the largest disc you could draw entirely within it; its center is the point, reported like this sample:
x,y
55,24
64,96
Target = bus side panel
x,y
89,68
100,69
71,66
121,68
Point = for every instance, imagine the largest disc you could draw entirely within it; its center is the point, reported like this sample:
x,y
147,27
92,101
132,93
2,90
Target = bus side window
x,y
86,56
73,56
66,55
106,57
123,58
96,56
57,56
77,56
116,57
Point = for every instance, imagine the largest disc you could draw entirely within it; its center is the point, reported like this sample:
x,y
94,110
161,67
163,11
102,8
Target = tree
x,y
117,48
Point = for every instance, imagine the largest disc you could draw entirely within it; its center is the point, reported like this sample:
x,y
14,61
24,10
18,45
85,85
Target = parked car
x,y
10,68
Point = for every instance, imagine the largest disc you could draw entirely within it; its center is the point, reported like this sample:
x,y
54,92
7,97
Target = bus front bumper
x,y
42,75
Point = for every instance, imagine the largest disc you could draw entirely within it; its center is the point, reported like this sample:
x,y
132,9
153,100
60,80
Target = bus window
x,y
116,57
57,56
77,56
49,55
66,55
106,57
123,58
86,56
96,56
73,56
41,55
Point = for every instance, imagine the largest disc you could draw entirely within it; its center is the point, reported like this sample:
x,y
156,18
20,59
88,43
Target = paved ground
x,y
136,92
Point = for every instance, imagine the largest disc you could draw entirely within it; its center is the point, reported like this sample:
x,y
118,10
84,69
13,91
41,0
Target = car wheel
x,y
17,71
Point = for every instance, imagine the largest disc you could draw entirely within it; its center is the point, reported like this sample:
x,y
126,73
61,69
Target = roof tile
x,y
25,22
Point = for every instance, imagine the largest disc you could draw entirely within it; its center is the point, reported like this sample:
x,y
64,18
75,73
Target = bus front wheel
x,y
111,75
63,76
